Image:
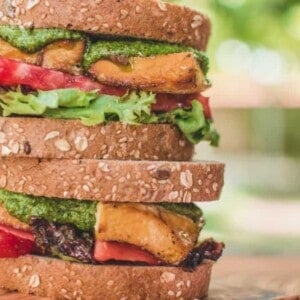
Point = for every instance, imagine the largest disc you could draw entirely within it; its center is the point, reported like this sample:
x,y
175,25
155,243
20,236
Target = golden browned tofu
x,y
64,55
8,51
173,73
166,235
7,219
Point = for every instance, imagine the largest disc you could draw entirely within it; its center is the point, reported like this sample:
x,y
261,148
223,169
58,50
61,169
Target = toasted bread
x,y
68,139
58,279
146,19
113,180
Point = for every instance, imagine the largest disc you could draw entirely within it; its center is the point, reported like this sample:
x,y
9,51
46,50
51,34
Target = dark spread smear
x,y
209,249
63,241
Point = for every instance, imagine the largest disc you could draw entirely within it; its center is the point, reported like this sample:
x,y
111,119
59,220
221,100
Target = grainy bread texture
x,y
147,19
64,280
111,180
49,138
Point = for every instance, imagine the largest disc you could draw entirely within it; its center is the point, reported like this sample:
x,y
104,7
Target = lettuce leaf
x,y
92,109
192,123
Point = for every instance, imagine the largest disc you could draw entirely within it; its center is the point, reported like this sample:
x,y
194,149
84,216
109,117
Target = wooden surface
x,y
241,278
256,278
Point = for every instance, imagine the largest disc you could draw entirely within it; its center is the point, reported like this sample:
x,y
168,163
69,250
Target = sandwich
x,y
101,107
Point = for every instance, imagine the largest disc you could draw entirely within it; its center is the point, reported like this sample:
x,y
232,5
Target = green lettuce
x,y
93,109
192,123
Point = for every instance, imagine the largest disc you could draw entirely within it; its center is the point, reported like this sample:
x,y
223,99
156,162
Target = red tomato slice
x,y
105,251
14,242
14,73
206,107
19,233
168,102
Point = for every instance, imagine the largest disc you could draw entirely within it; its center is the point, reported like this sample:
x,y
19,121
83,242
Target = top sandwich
x,y
107,61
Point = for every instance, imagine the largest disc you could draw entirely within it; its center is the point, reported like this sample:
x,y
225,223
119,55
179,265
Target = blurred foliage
x,y
271,23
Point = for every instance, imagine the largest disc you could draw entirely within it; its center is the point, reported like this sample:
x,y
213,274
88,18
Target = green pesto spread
x,y
33,40
82,214
132,48
189,210
79,213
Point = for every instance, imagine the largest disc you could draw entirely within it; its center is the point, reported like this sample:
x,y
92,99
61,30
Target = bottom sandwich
x,y
71,249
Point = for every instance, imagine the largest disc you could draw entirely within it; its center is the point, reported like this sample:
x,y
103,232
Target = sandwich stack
x,y
101,108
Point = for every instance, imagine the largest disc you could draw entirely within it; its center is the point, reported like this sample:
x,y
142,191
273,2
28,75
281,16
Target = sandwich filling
x,y
58,73
90,232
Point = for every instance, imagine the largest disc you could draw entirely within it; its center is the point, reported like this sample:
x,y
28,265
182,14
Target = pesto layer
x,y
189,210
34,40
133,48
23,207
81,214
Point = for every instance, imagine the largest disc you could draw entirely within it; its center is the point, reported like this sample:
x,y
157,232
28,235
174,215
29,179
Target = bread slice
x,y
49,138
146,19
57,279
112,180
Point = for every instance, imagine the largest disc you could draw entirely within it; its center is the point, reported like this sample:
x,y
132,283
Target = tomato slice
x,y
206,107
19,233
168,102
14,242
106,251
14,73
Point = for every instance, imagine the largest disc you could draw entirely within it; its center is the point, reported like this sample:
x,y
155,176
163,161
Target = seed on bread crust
x,y
34,281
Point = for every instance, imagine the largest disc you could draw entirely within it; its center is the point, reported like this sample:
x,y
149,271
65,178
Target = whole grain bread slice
x,y
112,180
57,138
147,19
57,279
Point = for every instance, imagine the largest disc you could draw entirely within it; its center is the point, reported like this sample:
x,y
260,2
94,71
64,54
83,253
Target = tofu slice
x,y
177,73
11,52
166,235
7,219
64,56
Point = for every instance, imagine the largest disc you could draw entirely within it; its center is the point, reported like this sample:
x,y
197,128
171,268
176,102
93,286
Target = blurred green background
x,y
255,70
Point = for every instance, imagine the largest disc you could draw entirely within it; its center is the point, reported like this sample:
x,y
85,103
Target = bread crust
x,y
58,279
69,139
111,180
146,19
